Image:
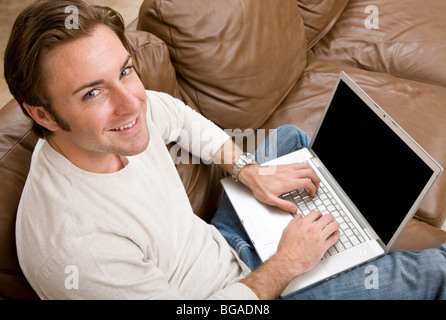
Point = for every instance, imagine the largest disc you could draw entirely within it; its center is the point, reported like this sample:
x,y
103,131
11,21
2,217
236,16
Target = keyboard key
x,y
348,233
347,245
354,240
339,246
312,206
332,251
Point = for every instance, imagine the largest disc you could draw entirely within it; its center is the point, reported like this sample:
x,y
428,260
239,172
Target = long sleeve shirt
x,y
131,234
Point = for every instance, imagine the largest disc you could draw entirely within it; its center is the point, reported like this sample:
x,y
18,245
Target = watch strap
x,y
242,161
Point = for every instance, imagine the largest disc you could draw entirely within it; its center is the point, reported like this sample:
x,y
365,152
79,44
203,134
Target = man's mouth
x,y
128,126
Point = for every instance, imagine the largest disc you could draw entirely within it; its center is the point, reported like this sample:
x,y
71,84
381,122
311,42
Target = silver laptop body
x,y
375,172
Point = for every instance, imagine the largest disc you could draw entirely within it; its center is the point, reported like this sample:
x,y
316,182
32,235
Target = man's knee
x,y
294,136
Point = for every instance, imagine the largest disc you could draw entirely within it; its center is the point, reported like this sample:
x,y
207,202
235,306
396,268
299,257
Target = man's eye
x,y
126,71
91,94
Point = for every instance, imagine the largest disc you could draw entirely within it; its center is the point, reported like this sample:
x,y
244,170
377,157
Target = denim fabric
x,y
398,275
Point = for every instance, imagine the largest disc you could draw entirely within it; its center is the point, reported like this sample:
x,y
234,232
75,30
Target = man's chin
x,y
137,149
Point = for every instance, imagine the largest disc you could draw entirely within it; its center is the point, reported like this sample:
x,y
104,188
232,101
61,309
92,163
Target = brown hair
x,y
39,29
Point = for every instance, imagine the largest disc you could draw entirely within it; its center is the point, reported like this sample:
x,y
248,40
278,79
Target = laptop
x,y
374,177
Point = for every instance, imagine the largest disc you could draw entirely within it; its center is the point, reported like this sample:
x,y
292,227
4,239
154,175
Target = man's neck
x,y
92,162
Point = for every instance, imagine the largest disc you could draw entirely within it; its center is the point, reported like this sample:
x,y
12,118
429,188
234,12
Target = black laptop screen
x,y
377,170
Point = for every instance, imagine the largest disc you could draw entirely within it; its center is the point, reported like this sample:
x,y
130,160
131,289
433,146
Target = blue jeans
x,y
398,275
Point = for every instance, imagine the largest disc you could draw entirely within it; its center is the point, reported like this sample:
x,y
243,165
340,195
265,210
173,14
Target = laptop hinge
x,y
317,162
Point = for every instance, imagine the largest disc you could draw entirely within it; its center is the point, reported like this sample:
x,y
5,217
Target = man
x,y
103,198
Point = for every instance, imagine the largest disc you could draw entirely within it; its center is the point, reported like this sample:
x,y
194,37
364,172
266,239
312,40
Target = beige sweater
x,y
130,234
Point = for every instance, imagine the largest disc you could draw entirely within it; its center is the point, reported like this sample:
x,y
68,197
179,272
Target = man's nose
x,y
124,101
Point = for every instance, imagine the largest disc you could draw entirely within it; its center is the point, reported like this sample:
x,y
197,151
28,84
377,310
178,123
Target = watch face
x,y
250,158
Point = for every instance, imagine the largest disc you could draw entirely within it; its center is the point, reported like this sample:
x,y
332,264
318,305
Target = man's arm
x,y
268,183
304,241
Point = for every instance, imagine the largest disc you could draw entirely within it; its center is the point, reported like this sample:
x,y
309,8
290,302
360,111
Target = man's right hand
x,y
305,240
303,244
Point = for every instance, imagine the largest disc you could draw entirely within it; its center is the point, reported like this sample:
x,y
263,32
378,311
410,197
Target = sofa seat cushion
x,y
237,59
417,107
410,41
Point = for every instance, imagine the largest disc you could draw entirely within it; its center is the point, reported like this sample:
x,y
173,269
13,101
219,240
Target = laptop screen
x,y
382,175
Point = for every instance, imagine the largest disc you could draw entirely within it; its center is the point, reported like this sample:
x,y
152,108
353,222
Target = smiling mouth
x,y
131,124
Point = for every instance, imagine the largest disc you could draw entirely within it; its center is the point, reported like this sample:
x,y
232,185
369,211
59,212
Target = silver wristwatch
x,y
244,159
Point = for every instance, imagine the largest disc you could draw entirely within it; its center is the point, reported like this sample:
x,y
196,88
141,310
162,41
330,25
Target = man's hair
x,y
40,28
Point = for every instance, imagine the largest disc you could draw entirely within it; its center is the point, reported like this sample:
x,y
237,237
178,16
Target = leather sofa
x,y
250,64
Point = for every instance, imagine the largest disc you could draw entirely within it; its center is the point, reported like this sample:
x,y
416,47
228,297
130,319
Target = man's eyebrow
x,y
89,85
126,61
100,81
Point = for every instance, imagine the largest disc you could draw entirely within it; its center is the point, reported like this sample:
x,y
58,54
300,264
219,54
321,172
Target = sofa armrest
x,y
16,146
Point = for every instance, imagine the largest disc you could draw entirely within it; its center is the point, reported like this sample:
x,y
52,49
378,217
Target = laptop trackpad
x,y
307,279
264,224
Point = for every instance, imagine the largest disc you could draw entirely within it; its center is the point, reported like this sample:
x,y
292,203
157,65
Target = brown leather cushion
x,y
237,59
152,63
319,17
417,107
409,43
16,146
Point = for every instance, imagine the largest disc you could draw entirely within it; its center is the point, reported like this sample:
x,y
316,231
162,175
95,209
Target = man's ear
x,y
41,116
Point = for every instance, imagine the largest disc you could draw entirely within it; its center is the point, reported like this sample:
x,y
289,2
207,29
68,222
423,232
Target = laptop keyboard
x,y
324,202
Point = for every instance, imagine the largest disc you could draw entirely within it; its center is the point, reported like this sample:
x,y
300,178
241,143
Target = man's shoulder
x,y
159,94
163,99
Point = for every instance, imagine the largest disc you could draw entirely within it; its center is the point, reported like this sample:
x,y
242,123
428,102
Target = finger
x,y
330,228
314,178
313,216
311,187
300,165
284,205
311,183
326,219
332,239
307,172
298,216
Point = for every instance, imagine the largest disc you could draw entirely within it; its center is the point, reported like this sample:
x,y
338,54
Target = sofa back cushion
x,y
236,59
404,38
319,17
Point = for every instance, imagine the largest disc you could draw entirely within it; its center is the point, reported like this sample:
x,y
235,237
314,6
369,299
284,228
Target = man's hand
x,y
268,183
304,241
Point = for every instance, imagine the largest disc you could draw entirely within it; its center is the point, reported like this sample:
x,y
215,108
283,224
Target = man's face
x,y
93,88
